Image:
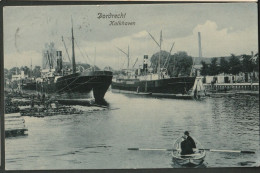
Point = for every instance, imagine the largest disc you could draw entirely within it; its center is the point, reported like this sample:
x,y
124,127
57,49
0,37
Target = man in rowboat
x,y
186,133
186,146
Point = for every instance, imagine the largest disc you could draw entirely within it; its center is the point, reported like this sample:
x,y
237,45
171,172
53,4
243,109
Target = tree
x,y
178,64
155,59
256,64
204,69
213,67
235,65
13,71
25,69
6,71
86,66
247,64
183,63
37,71
108,68
224,66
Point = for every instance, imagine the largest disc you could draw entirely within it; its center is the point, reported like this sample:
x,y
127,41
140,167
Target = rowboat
x,y
191,160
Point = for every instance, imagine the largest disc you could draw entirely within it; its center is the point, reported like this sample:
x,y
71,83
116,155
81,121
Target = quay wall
x,y
232,86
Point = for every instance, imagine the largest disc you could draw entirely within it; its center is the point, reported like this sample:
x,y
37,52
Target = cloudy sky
x,y
225,28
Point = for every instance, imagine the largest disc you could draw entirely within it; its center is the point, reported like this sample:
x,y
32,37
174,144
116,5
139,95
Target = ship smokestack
x,y
59,61
145,64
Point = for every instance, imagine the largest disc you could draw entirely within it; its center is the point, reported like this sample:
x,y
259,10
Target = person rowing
x,y
189,138
186,146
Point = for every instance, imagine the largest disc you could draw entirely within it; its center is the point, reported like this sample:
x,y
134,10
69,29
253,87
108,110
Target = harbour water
x,y
99,138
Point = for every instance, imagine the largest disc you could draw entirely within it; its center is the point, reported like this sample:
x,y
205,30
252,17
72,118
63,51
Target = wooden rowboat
x,y
191,160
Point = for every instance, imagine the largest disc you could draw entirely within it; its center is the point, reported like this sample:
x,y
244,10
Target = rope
x,y
67,85
82,83
82,53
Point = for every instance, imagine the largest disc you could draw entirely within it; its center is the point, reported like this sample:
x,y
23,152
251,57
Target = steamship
x,y
142,81
157,84
77,80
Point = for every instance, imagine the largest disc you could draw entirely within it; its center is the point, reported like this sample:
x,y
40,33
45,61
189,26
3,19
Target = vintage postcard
x,y
131,86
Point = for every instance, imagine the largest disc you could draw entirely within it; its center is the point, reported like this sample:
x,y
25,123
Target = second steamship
x,y
142,81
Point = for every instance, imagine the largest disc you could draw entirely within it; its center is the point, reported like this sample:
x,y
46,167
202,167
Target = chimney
x,y
145,64
59,61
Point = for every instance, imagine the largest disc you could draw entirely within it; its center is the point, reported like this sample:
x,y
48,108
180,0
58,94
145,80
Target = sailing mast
x,y
31,69
159,66
73,52
66,48
160,46
128,58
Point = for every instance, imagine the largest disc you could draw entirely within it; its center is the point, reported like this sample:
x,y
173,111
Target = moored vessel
x,y
77,80
159,84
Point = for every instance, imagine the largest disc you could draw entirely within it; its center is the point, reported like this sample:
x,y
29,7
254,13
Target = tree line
x,y
35,72
231,65
180,64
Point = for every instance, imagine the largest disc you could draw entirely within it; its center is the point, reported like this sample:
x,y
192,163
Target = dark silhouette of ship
x,y
76,80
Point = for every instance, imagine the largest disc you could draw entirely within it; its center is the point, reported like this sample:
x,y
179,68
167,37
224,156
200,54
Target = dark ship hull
x,y
168,86
29,86
83,82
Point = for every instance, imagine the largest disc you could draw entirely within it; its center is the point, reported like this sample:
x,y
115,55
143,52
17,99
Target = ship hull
x,y
177,85
84,82
29,86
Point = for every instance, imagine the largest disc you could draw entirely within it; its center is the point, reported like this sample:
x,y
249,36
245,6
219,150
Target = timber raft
x,y
15,125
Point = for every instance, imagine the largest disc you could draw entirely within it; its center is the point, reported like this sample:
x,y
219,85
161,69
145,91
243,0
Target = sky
x,y
225,28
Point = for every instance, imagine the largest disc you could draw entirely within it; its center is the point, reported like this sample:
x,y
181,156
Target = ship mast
x,y
128,58
66,48
73,52
159,66
31,69
160,46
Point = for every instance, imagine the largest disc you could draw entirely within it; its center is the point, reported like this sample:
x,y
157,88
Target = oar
x,y
211,150
151,149
229,151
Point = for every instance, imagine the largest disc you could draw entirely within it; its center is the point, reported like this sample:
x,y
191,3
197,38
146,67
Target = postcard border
x,y
4,3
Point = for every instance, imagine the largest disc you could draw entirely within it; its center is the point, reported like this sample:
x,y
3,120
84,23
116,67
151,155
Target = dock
x,y
232,86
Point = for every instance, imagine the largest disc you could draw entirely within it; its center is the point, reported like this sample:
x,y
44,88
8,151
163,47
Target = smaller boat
x,y
191,160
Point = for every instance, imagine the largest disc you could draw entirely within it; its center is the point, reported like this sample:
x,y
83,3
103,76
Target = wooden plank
x,y
13,115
